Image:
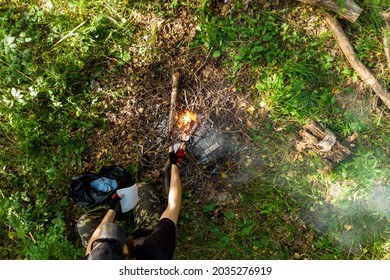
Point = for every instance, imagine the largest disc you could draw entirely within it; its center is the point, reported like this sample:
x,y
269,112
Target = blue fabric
x,y
104,184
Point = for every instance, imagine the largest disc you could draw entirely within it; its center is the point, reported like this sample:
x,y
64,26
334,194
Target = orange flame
x,y
186,118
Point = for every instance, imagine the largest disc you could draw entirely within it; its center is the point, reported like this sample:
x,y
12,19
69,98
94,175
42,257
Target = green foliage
x,y
240,37
293,80
292,97
366,165
49,56
35,233
47,247
260,226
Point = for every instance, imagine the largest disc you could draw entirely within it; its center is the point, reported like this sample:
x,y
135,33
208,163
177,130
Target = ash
x,y
208,144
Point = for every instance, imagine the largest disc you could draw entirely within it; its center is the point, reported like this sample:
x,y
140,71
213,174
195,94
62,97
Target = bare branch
x,y
364,73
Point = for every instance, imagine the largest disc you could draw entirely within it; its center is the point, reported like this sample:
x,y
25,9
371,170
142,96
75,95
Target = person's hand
x,y
177,157
114,202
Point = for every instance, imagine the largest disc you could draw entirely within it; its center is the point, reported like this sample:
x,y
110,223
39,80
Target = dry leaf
x,y
251,110
348,227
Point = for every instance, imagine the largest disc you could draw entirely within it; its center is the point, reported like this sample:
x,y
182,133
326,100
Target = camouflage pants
x,y
146,215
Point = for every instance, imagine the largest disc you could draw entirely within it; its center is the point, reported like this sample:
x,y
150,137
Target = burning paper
x,y
187,123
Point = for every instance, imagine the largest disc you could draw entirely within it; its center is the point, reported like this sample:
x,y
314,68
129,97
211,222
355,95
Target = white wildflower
x,y
33,92
16,94
57,104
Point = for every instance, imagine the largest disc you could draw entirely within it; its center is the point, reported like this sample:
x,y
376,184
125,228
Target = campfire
x,y
187,124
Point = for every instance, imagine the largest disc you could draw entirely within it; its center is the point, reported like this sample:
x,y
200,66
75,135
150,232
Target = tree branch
x,y
364,73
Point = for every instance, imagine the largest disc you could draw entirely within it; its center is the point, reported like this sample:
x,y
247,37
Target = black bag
x,y
87,197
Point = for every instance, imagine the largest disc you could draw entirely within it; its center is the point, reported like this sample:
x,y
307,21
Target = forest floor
x,y
97,92
217,190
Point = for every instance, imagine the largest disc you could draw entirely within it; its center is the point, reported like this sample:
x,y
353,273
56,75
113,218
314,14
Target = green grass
x,y
50,57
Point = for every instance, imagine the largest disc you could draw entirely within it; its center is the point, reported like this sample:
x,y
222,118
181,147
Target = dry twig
x,y
69,34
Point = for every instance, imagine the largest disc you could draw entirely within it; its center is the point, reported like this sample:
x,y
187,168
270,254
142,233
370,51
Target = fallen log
x,y
364,73
323,142
386,40
348,9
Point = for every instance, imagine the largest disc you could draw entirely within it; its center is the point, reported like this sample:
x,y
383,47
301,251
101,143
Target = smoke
x,y
355,224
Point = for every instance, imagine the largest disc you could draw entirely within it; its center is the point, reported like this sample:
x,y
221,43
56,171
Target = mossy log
x,y
348,9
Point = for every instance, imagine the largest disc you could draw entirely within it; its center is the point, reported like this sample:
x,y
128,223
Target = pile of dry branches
x,y
137,134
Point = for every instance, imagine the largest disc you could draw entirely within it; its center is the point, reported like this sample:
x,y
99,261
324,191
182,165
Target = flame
x,y
186,118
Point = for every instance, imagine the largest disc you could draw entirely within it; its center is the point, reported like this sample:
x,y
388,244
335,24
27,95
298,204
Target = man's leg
x,y
148,210
88,222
